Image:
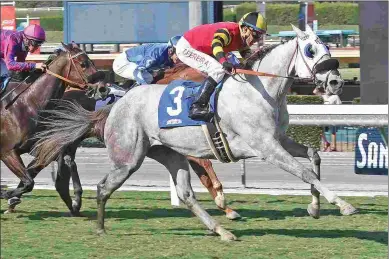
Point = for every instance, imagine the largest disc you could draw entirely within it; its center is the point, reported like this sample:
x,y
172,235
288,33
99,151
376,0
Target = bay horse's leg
x,y
178,167
15,163
278,156
62,182
14,201
69,158
204,170
299,150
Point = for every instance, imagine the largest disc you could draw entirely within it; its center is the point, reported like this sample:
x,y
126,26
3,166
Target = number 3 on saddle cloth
x,y
175,102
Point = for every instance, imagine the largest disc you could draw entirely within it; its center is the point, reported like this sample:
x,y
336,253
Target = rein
x,y
71,58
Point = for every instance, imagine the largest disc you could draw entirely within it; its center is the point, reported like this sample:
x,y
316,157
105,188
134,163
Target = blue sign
x,y
371,152
128,22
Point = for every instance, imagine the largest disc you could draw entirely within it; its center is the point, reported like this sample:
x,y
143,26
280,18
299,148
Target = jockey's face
x,y
175,59
250,36
32,45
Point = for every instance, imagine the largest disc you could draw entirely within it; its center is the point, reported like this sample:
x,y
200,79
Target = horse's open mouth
x,y
96,77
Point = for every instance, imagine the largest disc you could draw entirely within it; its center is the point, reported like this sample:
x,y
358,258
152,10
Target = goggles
x,y
35,43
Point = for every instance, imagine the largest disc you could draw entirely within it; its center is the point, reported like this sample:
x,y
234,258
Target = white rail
x,y
338,115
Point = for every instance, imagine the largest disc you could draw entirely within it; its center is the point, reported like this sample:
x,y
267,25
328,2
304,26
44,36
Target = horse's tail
x,y
66,124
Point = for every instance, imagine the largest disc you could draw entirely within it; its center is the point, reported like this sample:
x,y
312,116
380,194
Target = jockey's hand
x,y
40,66
227,66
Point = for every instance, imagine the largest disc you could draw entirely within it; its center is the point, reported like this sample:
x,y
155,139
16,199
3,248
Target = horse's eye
x,y
84,64
309,51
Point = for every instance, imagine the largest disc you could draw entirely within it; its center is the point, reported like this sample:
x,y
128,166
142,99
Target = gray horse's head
x,y
314,60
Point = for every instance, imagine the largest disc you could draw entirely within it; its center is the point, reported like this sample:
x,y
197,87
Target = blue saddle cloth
x,y
173,109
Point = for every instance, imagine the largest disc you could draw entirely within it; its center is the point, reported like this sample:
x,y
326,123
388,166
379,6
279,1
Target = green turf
x,y
350,73
144,225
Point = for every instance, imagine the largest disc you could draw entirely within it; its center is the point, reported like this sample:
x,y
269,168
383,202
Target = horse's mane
x,y
259,55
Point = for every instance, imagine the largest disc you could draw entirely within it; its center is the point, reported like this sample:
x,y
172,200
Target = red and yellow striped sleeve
x,y
221,38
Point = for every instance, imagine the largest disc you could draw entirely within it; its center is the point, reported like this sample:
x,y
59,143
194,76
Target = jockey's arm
x,y
13,62
245,53
221,38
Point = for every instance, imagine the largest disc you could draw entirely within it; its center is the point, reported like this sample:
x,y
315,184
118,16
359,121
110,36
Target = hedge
x,y
284,14
54,23
306,135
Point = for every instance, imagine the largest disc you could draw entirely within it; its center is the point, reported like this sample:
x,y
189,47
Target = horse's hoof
x,y
74,214
9,211
233,215
314,211
227,235
101,232
348,209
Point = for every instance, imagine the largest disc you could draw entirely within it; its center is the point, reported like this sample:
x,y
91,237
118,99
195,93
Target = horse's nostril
x,y
102,90
334,82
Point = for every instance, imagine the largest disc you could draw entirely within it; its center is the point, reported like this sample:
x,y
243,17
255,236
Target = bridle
x,y
294,58
73,59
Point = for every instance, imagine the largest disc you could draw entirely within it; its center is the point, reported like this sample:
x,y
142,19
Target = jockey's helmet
x,y
35,34
173,41
254,20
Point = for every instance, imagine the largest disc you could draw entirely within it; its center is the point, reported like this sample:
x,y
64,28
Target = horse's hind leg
x,y
62,182
127,158
278,156
179,169
299,150
72,167
15,163
204,170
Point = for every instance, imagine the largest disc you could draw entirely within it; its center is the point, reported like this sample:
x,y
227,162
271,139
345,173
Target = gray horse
x,y
252,112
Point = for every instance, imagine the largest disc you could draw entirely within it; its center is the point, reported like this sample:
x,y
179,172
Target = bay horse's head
x,y
314,60
77,70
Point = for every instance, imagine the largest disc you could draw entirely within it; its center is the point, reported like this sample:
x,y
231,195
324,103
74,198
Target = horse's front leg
x,y
204,170
14,201
278,156
299,150
15,163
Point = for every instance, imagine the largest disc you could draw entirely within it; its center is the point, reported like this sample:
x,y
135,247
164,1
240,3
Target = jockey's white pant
x,y
3,68
124,68
199,60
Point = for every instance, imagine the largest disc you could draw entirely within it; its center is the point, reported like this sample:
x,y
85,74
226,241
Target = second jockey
x,y
139,62
204,48
15,45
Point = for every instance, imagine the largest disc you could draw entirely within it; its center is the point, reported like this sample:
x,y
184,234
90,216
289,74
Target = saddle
x,y
22,81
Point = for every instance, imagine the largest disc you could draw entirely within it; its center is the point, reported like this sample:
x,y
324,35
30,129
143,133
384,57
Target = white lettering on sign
x,y
376,156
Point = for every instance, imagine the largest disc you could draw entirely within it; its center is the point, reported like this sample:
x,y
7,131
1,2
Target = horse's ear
x,y
309,30
65,46
299,32
74,45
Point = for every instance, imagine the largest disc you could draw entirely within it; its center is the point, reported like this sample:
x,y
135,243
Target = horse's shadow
x,y
376,236
128,214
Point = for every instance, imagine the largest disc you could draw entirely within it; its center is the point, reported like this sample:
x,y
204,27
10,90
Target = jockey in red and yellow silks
x,y
204,48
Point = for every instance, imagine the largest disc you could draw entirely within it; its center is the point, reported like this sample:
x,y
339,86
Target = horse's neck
x,y
46,87
279,62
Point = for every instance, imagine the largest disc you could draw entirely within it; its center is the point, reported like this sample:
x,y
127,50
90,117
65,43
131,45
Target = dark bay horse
x,y
20,109
66,161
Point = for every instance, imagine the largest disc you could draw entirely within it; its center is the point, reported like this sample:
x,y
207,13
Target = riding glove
x,y
228,66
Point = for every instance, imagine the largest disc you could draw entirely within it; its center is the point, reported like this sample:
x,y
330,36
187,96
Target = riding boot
x,y
199,108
